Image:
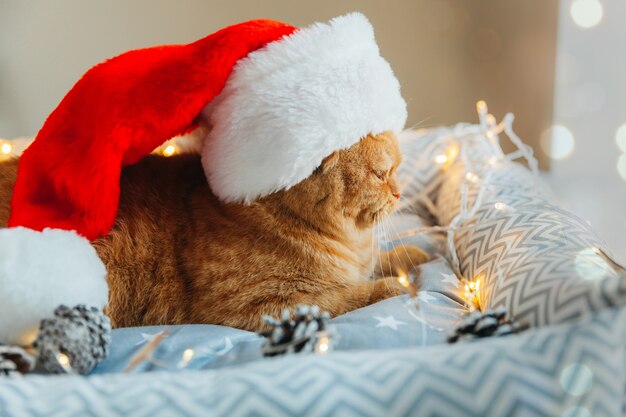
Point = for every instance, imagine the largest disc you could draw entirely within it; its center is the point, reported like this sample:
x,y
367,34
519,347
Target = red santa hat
x,y
278,99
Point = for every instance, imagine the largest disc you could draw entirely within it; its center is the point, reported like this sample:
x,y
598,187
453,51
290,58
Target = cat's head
x,y
358,183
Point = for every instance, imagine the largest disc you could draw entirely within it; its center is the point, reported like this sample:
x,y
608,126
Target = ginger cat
x,y
178,255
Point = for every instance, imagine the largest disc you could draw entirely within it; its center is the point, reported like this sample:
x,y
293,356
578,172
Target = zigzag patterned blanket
x,y
575,369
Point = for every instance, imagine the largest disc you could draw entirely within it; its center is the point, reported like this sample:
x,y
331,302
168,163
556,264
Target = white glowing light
x,y
441,159
449,157
323,345
481,106
620,137
557,142
576,379
621,166
403,280
500,206
471,177
6,148
472,286
188,355
586,13
169,150
63,360
591,266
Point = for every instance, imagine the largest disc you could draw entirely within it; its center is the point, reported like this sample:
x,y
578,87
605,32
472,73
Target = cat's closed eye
x,y
382,174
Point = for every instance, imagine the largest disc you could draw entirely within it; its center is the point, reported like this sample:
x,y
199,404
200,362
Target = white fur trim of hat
x,y
287,106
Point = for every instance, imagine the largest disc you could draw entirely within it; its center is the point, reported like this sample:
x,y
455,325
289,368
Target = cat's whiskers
x,y
420,124
374,253
413,266
383,225
380,261
383,222
405,202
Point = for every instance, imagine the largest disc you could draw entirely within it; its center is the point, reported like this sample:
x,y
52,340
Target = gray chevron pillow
x,y
541,262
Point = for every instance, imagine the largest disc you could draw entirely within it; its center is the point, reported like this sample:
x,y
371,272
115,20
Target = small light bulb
x,y
441,159
449,157
500,206
169,150
323,345
403,280
64,361
188,355
6,148
471,177
491,119
481,106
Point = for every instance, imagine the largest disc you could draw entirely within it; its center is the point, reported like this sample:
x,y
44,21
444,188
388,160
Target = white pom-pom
x,y
40,271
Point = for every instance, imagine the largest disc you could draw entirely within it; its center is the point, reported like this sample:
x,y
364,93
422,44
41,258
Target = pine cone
x,y
82,333
304,333
484,324
15,361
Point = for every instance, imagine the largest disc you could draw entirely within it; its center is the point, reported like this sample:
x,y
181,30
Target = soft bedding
x,y
574,369
392,358
392,323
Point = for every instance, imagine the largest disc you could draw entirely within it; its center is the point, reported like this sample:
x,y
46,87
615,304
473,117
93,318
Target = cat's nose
x,y
396,195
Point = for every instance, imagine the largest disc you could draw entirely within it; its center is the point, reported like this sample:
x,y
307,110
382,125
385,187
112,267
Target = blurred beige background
x,y
588,167
447,53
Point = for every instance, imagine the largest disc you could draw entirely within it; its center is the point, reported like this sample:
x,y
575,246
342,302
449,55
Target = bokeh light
x,y
557,142
576,379
6,148
169,150
188,355
586,13
620,137
471,177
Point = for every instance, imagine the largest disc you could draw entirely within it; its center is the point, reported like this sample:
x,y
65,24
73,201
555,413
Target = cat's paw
x,y
386,288
393,286
400,261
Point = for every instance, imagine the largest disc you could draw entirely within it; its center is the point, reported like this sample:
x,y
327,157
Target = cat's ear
x,y
329,162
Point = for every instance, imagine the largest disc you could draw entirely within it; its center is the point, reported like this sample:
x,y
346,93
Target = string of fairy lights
x,y
488,132
13,148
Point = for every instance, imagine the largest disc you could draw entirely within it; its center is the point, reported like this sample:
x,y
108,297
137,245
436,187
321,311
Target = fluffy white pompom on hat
x,y
40,271
290,104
